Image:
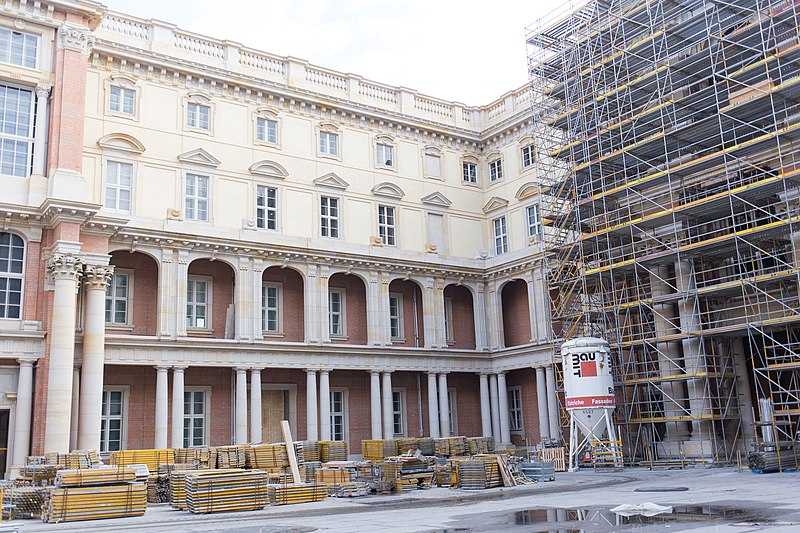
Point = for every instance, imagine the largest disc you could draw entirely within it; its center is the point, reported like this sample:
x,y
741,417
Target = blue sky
x,y
469,51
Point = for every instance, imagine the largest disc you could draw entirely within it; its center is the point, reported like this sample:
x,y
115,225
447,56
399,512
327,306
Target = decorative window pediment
x,y
199,157
328,126
332,180
494,203
470,159
270,169
122,80
121,141
198,98
492,156
267,112
525,140
437,199
383,138
433,150
389,190
527,190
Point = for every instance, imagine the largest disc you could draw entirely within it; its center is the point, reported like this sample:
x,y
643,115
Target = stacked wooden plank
x,y
331,476
472,475
457,445
69,460
426,446
378,450
332,450
441,447
68,504
476,445
86,477
406,444
553,455
309,449
353,489
269,457
38,473
309,469
234,456
297,493
151,457
177,486
202,456
226,490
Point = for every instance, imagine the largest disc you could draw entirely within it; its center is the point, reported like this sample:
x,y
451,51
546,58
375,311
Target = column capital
x,y
77,38
324,371
311,371
43,91
97,277
257,368
65,266
241,368
179,368
162,368
375,372
26,361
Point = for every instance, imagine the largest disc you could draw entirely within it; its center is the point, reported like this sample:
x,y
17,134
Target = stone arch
x,y
408,292
136,274
351,288
218,277
459,307
289,282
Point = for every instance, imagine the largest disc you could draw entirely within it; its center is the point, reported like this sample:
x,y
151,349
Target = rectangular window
x,y
197,115
12,254
119,177
336,312
198,314
384,155
396,316
534,222
329,217
448,320
122,100
16,131
328,143
111,420
270,308
386,225
496,170
515,408
470,172
500,236
196,197
194,418
433,165
117,299
527,156
399,413
266,207
267,130
18,48
338,415
453,413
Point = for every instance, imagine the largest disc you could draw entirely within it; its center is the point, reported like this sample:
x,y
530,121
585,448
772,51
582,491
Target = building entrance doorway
x,y
4,418
278,402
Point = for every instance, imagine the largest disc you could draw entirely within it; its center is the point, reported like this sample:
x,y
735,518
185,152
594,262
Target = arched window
x,y
12,256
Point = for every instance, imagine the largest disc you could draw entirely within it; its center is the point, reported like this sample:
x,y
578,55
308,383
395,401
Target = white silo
x,y
589,397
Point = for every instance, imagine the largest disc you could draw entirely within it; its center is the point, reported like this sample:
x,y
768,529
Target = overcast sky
x,y
471,51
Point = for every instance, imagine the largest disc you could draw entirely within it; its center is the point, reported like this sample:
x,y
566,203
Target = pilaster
x,y
181,286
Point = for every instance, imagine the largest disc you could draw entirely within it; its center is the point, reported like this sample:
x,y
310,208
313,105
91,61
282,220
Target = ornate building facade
x,y
201,239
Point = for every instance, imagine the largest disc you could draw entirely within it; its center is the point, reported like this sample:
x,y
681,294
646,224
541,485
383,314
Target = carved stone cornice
x,y
65,267
97,277
76,38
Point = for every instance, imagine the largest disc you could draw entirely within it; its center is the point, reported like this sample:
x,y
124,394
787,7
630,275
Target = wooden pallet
x,y
177,487
553,455
234,456
332,450
69,504
267,457
378,450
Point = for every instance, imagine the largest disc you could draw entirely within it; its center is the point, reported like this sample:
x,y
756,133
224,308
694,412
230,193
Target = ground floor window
x,y
338,415
399,413
112,420
515,408
195,423
453,414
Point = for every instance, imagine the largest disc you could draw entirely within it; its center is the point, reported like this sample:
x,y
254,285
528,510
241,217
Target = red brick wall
x,y
358,404
288,376
93,243
463,316
145,289
525,378
468,398
292,304
355,307
33,268
408,382
516,321
410,290
141,401
222,287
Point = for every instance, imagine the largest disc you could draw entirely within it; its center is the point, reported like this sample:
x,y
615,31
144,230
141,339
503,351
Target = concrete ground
x,y
717,499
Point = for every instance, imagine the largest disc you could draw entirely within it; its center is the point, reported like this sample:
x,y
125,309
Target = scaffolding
x,y
669,154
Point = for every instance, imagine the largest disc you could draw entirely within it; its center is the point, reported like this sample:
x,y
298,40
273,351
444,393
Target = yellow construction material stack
x,y
269,457
68,504
220,491
310,450
201,456
234,456
476,445
332,450
87,477
457,445
332,477
297,493
378,450
150,457
406,444
177,486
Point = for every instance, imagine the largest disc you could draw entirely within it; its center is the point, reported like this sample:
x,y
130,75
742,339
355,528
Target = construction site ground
x,y
726,500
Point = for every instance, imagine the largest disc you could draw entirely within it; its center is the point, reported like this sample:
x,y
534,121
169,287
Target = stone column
x,y
382,305
323,281
498,437
479,316
440,324
375,404
181,286
177,406
168,314
241,406
433,406
311,301
22,414
76,408
486,407
255,405
311,405
96,279
429,313
502,402
65,270
40,137
256,281
377,326
444,406
541,401
553,407
324,405
388,415
161,408
494,317
243,304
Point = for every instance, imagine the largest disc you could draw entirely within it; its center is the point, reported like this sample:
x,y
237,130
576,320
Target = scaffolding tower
x,y
669,154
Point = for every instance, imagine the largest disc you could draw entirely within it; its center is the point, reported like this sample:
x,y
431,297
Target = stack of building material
x,y
378,450
476,445
406,444
202,456
309,469
221,490
87,477
457,446
234,456
426,446
23,502
767,462
353,489
332,450
38,474
538,471
408,472
68,504
69,460
177,486
441,447
297,493
443,475
150,457
308,450
332,477
268,457
553,455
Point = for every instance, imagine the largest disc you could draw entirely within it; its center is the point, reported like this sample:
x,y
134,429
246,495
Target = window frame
x,y
266,140
123,90
518,408
185,197
473,180
208,303
400,319
403,412
495,169
341,291
345,413
28,139
383,143
325,130
123,417
37,56
206,416
328,217
500,239
119,161
266,285
449,331
128,299
8,276
198,99
384,227
452,415
266,209
531,148
538,225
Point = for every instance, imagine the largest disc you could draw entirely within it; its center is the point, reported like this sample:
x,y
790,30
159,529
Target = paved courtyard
x,y
718,499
